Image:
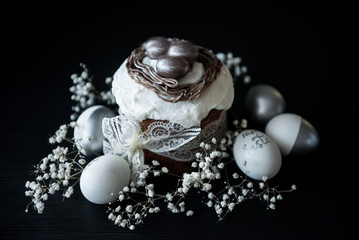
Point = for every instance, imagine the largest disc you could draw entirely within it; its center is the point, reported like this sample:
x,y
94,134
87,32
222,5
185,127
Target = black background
x,y
286,46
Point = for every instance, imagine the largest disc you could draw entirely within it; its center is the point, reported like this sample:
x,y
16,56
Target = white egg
x,y
103,178
293,134
88,131
256,154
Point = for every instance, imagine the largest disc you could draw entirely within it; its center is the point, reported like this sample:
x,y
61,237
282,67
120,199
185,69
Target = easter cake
x,y
177,95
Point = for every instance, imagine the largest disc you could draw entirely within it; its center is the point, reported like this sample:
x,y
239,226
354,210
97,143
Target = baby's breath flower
x,y
155,163
150,193
189,213
264,178
265,196
82,161
169,196
207,186
129,208
244,123
118,208
235,122
219,211
118,219
112,217
211,195
231,206
245,192
121,197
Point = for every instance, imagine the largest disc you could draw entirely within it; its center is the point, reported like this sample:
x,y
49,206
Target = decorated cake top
x,y
155,83
174,59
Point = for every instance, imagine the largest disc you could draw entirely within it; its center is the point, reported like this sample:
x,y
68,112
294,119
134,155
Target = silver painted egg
x,y
264,102
172,67
88,130
183,49
293,134
156,47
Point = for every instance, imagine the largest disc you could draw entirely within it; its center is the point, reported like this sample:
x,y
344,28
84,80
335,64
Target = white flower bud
x,y
189,213
272,206
129,208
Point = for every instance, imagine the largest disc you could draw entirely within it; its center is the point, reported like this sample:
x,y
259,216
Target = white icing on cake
x,y
140,103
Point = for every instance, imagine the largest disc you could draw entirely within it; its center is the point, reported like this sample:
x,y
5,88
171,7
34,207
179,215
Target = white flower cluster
x,y
128,210
85,93
55,171
234,65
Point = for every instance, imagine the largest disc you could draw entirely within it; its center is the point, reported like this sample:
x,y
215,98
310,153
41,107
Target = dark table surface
x,y
286,46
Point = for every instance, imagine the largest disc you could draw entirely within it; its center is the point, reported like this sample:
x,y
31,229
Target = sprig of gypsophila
x,y
58,171
210,166
61,169
237,187
85,94
140,199
234,65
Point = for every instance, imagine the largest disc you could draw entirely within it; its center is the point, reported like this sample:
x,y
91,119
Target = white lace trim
x,y
187,152
123,136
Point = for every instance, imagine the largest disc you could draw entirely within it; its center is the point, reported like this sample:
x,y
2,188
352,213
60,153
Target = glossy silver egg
x,y
172,67
156,47
263,102
88,131
183,49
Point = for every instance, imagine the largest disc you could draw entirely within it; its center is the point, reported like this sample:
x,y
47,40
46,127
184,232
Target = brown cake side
x,y
174,166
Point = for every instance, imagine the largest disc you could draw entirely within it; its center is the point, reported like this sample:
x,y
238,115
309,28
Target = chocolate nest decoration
x,y
168,89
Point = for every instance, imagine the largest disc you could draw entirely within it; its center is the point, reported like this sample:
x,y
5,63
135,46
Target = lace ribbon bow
x,y
124,137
